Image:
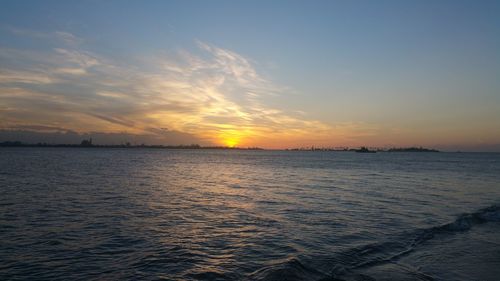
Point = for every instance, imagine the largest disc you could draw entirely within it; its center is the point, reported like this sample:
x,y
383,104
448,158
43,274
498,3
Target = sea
x,y
182,214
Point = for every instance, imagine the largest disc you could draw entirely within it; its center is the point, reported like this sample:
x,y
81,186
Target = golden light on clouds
x,y
210,96
215,96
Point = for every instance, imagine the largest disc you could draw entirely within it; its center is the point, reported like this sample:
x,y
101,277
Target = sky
x,y
272,74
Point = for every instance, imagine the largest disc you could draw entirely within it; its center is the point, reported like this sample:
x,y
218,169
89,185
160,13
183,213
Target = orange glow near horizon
x,y
231,138
213,96
230,142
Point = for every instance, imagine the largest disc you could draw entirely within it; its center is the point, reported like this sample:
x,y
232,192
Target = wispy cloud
x,y
68,38
25,77
213,93
62,36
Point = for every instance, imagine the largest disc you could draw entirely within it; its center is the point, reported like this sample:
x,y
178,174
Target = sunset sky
x,y
273,74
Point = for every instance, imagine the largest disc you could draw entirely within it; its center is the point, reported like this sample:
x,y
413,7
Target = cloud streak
x,y
214,94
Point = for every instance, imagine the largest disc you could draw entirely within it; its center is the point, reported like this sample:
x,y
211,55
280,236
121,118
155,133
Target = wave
x,y
345,265
291,270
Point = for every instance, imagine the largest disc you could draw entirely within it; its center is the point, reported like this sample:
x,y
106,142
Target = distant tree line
x,y
412,149
89,144
365,149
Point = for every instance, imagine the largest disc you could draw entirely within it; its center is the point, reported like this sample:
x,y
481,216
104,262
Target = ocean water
x,y
151,214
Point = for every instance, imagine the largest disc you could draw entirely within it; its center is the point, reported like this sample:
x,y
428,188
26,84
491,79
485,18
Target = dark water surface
x,y
145,214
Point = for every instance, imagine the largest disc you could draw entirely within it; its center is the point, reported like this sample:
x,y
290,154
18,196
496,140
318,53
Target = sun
x,y
230,138
231,142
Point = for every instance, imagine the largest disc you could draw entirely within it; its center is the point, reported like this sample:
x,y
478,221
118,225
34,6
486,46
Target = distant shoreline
x,y
89,144
9,144
128,146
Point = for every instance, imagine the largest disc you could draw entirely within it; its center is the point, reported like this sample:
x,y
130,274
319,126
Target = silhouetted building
x,y
86,142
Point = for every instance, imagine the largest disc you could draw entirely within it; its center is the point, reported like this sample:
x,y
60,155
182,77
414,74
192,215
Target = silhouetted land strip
x,y
364,150
412,149
89,144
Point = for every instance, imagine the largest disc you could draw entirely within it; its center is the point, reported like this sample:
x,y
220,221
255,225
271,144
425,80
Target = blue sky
x,y
338,72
